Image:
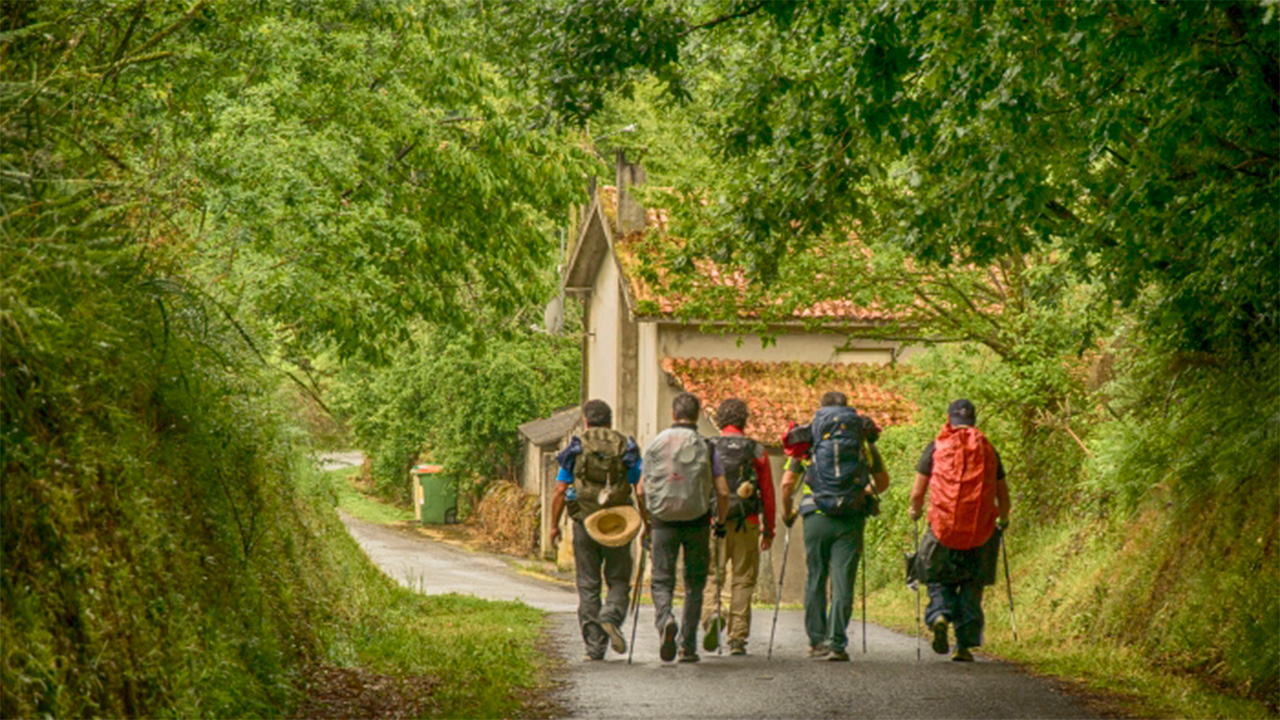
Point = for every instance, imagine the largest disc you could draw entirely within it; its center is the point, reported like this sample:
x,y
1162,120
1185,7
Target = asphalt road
x,y
886,682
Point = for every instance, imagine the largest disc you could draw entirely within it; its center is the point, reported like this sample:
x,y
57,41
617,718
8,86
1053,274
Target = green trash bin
x,y
435,497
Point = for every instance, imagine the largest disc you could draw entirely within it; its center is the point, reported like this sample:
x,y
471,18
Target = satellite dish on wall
x,y
553,316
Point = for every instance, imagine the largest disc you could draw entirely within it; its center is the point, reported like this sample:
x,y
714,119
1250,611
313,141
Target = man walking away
x,y
597,470
750,483
968,510
680,471
842,478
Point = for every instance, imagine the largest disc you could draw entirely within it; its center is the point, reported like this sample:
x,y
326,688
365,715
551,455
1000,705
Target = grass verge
x,y
479,658
359,505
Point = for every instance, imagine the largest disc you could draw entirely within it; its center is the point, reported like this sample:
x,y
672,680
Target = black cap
x,y
962,412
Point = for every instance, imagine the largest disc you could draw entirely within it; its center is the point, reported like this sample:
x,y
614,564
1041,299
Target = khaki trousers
x,y
742,552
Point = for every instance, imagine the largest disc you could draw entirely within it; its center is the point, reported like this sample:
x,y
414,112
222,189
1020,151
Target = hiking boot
x,y
588,657
819,651
689,656
940,644
668,650
962,654
711,640
616,641
737,647
838,656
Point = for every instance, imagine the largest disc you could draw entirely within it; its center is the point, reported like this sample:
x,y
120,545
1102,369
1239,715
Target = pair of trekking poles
x,y
1007,583
635,600
782,574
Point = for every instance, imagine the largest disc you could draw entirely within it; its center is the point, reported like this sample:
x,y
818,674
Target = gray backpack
x,y
677,475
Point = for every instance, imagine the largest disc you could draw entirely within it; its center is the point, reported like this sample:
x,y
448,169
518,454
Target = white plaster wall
x,y
602,340
689,342
649,379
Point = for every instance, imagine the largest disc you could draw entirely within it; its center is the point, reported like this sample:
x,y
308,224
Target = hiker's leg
x,y
664,547
938,606
969,618
709,595
817,558
845,548
617,574
586,559
697,561
744,555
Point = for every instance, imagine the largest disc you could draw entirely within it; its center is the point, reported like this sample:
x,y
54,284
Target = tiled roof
x,y
653,297
777,393
547,431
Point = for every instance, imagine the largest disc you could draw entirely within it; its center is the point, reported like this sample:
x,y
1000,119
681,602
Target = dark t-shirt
x,y
925,466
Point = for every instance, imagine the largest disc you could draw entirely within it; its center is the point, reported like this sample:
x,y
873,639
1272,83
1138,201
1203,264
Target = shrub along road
x,y
886,682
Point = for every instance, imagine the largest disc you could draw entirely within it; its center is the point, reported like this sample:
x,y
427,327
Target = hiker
x,y
597,473
681,470
841,481
968,510
750,482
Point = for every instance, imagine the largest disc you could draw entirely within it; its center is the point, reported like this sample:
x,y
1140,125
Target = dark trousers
x,y
694,537
961,605
589,557
832,548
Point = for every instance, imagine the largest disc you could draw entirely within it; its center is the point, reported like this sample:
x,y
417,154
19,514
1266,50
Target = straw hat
x,y
613,526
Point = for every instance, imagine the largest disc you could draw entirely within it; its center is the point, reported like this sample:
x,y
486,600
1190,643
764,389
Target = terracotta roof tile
x,y
778,393
634,249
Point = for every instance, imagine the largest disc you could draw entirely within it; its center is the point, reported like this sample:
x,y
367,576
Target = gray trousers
x,y
589,558
668,538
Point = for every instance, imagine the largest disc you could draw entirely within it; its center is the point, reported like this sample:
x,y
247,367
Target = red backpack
x,y
962,489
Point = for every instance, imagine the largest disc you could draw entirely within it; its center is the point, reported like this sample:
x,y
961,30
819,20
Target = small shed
x,y
542,440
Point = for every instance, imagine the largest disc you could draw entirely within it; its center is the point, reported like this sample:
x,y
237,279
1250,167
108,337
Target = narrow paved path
x,y
887,682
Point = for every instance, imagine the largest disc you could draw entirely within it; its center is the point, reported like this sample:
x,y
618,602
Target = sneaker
x,y
819,651
737,647
616,641
838,656
962,654
711,640
668,650
689,656
940,644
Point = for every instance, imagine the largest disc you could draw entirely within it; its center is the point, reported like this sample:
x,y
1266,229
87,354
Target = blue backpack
x,y
840,470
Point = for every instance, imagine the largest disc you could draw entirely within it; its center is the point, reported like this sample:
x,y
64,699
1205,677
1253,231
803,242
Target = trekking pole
x,y
916,534
777,603
635,605
720,621
1009,585
864,600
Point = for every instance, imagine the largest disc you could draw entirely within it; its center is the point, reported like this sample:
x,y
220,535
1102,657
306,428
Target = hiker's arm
x,y
788,492
722,499
1002,499
644,510
880,477
768,517
557,509
917,495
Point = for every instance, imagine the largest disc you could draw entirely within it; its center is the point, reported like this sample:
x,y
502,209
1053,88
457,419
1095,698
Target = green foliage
x,y
1136,138
187,189
457,401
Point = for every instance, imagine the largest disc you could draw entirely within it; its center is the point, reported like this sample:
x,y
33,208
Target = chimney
x,y
631,213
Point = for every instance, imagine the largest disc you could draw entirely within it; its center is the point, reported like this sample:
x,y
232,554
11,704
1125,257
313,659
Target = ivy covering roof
x,y
779,392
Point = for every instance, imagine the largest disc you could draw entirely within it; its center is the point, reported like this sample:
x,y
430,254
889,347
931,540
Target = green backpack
x,y
599,475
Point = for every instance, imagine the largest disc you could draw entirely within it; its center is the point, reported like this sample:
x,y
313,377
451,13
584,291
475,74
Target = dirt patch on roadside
x,y
337,692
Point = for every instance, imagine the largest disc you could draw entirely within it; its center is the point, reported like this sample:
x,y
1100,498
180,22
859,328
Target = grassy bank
x,y
361,505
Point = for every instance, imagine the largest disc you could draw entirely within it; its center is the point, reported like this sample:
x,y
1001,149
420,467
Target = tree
x,y
1137,140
